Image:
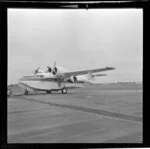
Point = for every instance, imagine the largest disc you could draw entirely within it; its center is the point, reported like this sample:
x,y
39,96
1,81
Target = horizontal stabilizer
x,y
98,75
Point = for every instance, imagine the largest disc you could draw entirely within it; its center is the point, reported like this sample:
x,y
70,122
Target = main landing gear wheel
x,y
48,92
64,91
26,92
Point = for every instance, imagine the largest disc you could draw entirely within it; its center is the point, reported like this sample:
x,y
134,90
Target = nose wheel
x,y
64,91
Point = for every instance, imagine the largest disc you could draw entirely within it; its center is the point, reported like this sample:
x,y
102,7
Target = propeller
x,y
36,70
49,69
55,64
54,69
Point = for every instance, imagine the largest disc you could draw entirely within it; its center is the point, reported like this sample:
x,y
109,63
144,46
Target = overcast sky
x,y
76,40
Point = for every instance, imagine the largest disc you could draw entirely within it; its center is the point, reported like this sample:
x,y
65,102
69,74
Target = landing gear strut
x,y
64,91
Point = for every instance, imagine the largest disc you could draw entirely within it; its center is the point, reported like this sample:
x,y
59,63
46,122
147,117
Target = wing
x,y
82,72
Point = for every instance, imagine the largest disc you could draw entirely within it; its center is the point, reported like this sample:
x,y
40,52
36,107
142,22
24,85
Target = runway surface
x,y
87,115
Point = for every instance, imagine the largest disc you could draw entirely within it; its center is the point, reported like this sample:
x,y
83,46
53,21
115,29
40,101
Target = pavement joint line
x,y
56,126
89,110
74,136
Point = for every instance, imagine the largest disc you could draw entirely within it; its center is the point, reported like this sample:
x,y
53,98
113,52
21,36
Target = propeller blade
x,y
54,64
54,70
49,69
36,70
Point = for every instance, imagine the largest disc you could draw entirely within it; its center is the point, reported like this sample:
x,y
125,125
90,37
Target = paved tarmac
x,y
85,115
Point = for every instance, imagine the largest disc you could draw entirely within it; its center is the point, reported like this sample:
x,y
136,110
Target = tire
x,y
64,91
26,92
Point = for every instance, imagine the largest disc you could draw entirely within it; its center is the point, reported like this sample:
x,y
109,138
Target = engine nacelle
x,y
73,79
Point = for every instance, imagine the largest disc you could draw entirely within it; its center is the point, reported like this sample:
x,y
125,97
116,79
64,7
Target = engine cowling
x,y
73,79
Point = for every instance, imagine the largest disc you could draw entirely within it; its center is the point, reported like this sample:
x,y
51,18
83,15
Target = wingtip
x,y
111,68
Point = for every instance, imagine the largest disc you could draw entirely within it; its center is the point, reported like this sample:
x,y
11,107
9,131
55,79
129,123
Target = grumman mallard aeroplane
x,y
58,79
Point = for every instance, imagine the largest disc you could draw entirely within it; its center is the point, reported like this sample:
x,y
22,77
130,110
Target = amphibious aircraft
x,y
58,79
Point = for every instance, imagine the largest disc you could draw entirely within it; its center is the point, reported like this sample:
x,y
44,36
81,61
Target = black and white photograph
x,y
75,75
